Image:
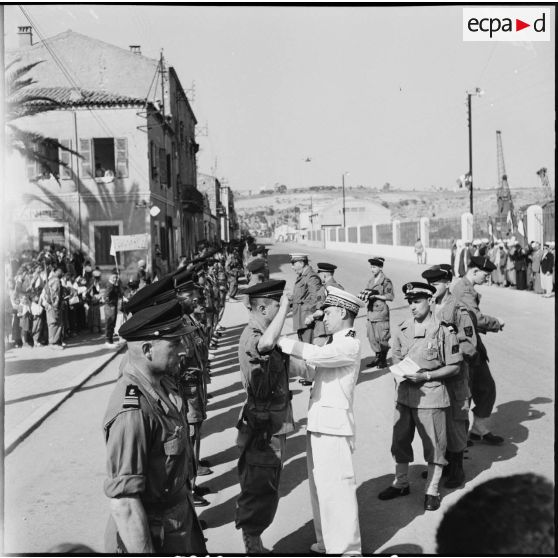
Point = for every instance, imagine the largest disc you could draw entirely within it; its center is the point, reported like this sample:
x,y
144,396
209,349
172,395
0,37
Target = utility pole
x,y
478,92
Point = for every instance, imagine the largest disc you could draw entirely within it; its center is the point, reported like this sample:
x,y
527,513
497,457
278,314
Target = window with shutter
x,y
121,148
163,165
65,158
32,167
85,152
153,157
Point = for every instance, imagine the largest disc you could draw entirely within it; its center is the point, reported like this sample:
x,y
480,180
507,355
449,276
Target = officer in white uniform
x,y
331,425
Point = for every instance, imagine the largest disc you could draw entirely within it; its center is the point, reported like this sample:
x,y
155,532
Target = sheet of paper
x,y
406,366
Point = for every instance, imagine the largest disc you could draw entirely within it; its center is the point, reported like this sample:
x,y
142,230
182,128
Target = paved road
x,y
54,477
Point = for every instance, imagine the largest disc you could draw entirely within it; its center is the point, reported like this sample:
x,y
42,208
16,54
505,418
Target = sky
x,y
376,92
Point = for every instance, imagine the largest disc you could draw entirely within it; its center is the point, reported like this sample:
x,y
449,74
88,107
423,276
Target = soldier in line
x,y
148,449
260,253
266,417
422,399
378,291
325,272
483,387
254,274
193,380
233,266
331,426
448,310
308,294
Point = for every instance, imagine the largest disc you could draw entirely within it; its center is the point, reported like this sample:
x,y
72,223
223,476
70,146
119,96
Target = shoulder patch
x,y
455,349
131,398
468,331
350,333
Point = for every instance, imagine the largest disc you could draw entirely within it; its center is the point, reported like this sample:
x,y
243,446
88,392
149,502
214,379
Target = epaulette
x,y
350,333
131,399
450,326
404,324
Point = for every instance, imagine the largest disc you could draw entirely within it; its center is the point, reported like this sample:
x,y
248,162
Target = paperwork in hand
x,y
406,366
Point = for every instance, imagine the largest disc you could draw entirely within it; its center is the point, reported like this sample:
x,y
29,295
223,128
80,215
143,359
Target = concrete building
x,y
210,187
130,120
357,212
229,222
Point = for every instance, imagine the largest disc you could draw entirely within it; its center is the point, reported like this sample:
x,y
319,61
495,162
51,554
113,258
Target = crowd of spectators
x,y
52,296
522,267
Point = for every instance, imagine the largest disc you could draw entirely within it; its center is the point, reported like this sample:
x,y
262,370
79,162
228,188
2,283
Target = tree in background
x,y
23,101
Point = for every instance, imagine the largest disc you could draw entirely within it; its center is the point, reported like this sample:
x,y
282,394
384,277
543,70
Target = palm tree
x,y
22,101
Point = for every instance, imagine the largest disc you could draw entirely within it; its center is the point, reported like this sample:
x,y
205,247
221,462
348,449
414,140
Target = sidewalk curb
x,y
25,428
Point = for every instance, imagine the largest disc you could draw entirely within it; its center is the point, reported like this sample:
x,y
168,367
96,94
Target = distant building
x,y
357,212
210,187
130,120
229,222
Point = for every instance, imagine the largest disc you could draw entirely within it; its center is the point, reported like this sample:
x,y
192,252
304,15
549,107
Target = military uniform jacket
x,y
148,447
451,312
265,378
378,310
308,294
337,364
466,294
431,346
331,282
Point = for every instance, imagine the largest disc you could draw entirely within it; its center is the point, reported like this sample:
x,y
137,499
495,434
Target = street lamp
x,y
478,92
343,189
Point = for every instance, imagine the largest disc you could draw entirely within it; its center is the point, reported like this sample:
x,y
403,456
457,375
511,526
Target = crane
x,y
505,212
547,190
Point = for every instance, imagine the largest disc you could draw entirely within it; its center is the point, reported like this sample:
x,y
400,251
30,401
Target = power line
x,y
74,85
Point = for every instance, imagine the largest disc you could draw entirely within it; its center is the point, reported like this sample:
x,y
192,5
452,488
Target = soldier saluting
x,y
267,415
148,449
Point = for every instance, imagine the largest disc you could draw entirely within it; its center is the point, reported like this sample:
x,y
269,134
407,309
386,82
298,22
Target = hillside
x,y
263,210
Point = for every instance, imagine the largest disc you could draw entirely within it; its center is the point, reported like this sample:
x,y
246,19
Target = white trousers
x,y
332,482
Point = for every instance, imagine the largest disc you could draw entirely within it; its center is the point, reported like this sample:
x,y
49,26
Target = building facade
x,y
129,119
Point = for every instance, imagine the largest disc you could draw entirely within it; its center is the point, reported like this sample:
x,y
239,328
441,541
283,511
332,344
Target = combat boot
x,y
456,474
253,544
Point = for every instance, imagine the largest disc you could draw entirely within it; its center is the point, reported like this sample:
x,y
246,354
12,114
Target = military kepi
x,y
156,293
326,267
256,265
268,289
482,263
437,273
377,260
343,299
416,289
156,322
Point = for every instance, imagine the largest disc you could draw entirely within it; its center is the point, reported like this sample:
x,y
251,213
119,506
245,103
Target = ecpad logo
x,y
506,24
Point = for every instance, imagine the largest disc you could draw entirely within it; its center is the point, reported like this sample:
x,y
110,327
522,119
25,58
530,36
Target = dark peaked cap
x,y
416,289
256,265
156,293
483,263
162,321
377,260
327,267
183,281
436,273
268,289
